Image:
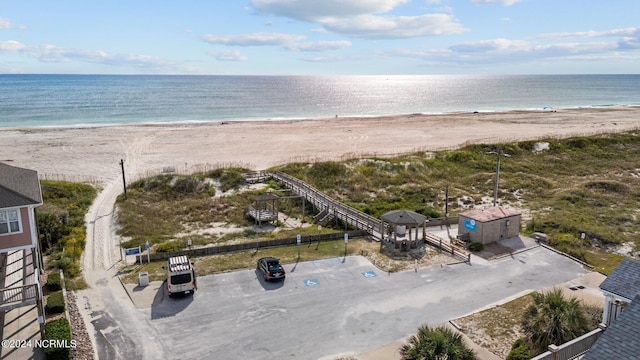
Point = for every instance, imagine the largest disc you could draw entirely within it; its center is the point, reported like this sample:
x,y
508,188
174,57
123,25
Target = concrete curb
x,y
567,255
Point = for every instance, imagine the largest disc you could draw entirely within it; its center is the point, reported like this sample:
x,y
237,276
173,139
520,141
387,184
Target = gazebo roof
x,y
404,217
266,197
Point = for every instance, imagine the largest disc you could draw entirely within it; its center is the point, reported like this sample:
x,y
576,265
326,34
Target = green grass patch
x,y
602,261
61,225
247,260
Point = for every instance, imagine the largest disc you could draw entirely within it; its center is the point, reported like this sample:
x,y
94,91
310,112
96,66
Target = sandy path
x,y
94,154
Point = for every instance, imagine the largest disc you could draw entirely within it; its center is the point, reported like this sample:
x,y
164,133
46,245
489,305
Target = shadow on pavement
x,y
164,306
269,285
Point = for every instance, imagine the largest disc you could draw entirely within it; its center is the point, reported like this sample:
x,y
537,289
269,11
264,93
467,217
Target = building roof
x,y
621,341
489,214
18,187
404,217
624,281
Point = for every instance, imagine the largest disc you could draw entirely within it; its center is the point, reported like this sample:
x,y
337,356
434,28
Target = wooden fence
x,y
261,244
454,251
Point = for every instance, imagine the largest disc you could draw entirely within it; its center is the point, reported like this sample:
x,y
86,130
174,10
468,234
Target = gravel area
x,y
84,348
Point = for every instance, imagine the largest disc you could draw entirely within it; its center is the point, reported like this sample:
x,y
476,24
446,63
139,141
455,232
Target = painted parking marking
x,y
311,282
369,274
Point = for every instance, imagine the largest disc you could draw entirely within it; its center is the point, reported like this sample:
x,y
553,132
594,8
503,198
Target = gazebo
x,y
400,221
265,208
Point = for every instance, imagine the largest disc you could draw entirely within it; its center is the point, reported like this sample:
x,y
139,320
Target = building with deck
x,y
20,257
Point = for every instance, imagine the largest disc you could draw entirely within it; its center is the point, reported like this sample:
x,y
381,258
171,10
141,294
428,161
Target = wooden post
x,y
124,182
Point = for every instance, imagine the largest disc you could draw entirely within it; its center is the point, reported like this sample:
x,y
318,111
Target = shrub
x,y
56,332
54,282
519,351
170,246
476,246
55,303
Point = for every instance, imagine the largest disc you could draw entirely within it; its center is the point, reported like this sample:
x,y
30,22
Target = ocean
x,y
93,100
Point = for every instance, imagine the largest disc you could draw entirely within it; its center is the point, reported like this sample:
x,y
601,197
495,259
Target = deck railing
x,y
321,201
18,295
572,349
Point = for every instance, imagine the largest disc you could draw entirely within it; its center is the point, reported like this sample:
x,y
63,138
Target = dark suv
x,y
270,268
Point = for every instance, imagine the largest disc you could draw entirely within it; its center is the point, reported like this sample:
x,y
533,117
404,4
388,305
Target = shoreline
x,y
319,118
88,153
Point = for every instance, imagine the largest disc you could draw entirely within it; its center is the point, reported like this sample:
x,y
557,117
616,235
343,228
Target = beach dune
x,y
94,153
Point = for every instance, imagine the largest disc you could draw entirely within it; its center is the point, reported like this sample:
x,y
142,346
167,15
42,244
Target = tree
x,y
438,343
552,319
50,228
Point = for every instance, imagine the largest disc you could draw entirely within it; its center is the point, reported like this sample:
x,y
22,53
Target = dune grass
x,y
578,185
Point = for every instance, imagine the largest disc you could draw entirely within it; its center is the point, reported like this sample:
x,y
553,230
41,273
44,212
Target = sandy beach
x,y
94,153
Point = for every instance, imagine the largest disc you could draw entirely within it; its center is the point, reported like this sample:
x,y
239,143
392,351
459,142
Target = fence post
x,y
553,349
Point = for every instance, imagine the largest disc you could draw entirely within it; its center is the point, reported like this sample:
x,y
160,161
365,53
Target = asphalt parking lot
x,y
327,307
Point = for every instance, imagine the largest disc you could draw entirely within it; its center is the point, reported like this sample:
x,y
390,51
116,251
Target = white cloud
x,y
7,24
503,2
314,10
11,46
629,43
377,27
255,39
362,18
492,45
518,51
54,54
229,55
590,34
319,46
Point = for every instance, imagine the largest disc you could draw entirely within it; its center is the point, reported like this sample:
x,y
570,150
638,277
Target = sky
x,y
320,37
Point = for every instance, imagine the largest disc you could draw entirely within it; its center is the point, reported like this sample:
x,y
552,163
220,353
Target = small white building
x,y
489,225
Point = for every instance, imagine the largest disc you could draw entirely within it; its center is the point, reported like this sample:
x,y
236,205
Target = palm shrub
x,y
438,343
553,319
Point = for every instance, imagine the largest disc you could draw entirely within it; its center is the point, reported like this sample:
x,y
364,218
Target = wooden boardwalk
x,y
330,209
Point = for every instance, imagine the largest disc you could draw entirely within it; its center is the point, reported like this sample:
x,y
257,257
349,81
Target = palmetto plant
x,y
438,343
553,319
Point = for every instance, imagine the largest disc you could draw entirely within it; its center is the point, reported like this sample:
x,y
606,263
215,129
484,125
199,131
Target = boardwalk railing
x,y
449,248
324,203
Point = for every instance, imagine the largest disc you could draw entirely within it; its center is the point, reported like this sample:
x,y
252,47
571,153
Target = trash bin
x,y
143,278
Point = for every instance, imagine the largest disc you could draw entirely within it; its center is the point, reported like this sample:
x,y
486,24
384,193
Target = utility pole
x,y
446,203
498,153
124,182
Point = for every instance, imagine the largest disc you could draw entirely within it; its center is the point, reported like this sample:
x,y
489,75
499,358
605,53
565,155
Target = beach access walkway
x,y
331,209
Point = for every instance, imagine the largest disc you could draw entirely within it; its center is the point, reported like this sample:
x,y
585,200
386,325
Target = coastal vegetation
x,y
564,187
521,327
436,343
554,319
61,226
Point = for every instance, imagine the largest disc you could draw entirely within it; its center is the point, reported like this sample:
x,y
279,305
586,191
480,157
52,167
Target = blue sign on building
x,y
470,224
